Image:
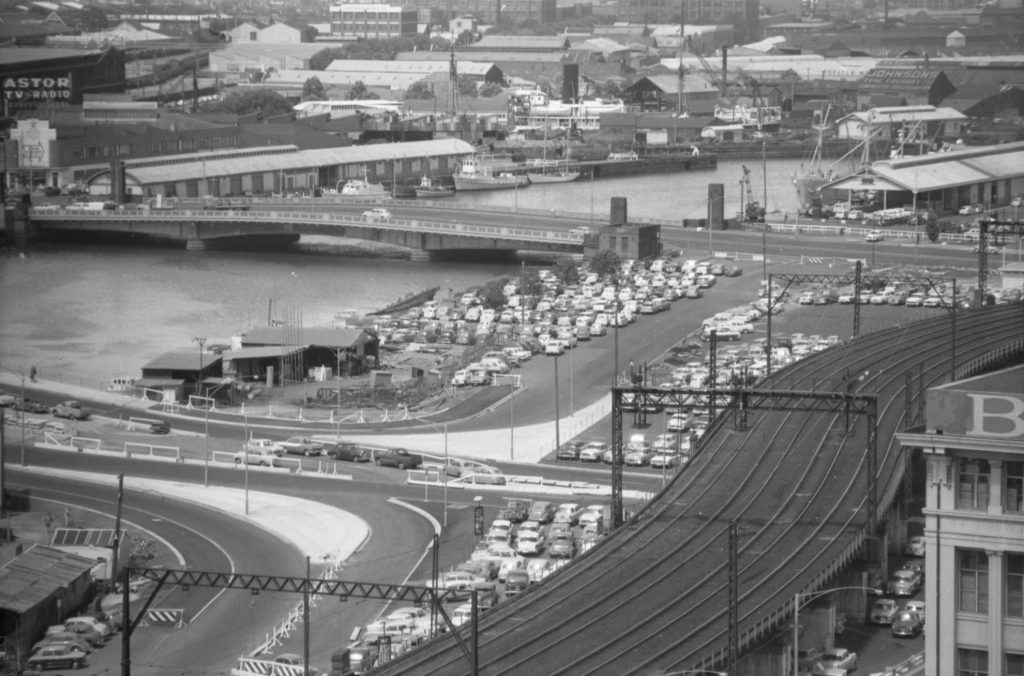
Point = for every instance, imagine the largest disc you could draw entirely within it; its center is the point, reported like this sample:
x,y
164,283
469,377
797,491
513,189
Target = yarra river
x,y
85,314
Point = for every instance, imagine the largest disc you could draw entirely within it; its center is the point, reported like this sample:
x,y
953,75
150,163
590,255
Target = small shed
x,y
40,587
168,377
346,351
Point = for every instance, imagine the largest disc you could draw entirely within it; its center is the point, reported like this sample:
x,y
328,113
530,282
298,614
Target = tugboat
x,y
360,187
473,174
428,188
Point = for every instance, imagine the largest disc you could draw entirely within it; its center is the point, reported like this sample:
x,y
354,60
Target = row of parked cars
x,y
68,645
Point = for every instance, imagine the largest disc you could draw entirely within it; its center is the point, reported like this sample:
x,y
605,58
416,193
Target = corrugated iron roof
x,y
29,579
944,170
181,361
288,335
260,352
299,160
422,67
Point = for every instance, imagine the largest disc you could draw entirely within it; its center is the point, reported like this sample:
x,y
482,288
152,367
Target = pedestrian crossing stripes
x,y
811,259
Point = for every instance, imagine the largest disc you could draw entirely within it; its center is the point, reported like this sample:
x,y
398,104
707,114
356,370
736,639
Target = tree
x,y
245,102
493,294
532,284
467,86
566,271
605,262
931,227
490,89
313,90
359,92
419,90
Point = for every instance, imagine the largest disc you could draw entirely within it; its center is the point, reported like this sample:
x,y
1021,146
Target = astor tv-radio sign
x,y
970,408
28,92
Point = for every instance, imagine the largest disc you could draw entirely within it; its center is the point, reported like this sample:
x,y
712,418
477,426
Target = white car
x,y
529,543
593,451
554,347
884,611
874,236
839,658
376,214
460,378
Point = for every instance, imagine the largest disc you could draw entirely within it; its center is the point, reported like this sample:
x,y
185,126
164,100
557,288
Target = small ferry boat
x,y
430,188
360,187
474,174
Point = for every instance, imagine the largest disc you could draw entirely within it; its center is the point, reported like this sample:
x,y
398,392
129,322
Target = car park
x,y
302,446
907,624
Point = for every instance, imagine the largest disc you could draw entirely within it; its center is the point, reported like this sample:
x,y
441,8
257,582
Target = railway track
x,y
654,596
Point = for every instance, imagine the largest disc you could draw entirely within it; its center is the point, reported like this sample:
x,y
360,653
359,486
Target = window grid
x,y
972,484
1014,664
972,662
972,575
1013,487
1015,586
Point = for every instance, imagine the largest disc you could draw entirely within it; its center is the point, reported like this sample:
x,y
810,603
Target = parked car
x,y
264,446
839,658
302,446
65,637
542,512
57,656
516,582
530,543
884,611
907,624
262,457
562,545
874,236
349,452
915,546
515,511
593,451
904,582
398,457
570,450
31,406
70,409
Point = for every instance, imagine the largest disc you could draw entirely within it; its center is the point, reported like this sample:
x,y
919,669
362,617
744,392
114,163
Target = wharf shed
x,y
381,73
38,588
346,351
661,92
945,181
287,168
530,66
241,57
916,123
911,86
172,375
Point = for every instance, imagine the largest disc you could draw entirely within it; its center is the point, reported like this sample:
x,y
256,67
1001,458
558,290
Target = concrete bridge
x,y
199,228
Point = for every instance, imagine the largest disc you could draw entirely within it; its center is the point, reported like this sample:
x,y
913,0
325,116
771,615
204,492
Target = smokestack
x,y
725,68
570,82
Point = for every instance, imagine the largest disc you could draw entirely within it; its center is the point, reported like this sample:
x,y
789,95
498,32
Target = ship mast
x,y
680,107
453,89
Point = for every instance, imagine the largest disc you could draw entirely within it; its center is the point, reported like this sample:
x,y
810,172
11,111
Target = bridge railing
x,y
313,218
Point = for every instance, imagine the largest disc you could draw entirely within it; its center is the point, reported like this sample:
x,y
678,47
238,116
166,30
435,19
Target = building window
x,y
1013,487
972,484
91,153
1015,586
77,153
124,149
1014,664
972,577
971,662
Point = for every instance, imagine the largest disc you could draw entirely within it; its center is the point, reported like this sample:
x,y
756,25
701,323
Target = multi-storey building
x,y
372,20
973,447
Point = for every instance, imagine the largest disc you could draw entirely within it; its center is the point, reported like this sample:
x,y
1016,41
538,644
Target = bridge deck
x,y
654,596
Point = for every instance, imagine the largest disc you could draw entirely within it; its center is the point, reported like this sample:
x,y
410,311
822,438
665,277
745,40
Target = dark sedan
x,y
348,452
907,624
30,406
570,450
561,546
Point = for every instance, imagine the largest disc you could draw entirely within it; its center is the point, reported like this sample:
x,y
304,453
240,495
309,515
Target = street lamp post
x,y
206,407
444,470
809,596
200,341
557,435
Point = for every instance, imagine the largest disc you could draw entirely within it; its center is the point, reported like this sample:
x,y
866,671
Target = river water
x,y
85,314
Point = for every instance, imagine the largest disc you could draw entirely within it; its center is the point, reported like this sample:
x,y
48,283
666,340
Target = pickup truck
x,y
397,457
70,409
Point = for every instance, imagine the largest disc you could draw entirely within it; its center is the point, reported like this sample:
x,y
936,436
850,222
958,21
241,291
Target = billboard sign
x,y
34,139
25,93
995,415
